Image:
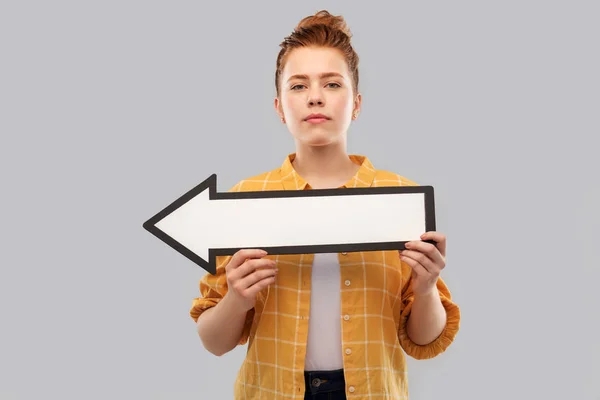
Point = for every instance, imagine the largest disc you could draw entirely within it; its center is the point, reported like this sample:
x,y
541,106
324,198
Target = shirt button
x,y
347,283
346,317
351,389
348,351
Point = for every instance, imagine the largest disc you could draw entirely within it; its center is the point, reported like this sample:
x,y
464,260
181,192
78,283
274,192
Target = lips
x,y
316,118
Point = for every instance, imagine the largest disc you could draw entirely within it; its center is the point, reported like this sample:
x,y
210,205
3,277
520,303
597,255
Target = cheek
x,y
290,108
343,105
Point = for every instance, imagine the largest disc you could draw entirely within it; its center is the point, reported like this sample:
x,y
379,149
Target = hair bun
x,y
323,17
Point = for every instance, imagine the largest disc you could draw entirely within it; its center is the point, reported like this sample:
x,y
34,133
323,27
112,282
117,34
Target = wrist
x,y
429,294
234,304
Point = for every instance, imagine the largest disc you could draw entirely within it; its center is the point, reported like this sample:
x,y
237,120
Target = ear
x,y
357,104
278,110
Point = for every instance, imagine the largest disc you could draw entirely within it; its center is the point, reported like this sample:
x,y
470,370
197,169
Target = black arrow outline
x,y
211,184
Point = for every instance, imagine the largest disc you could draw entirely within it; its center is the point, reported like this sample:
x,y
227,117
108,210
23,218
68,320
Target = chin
x,y
317,139
318,143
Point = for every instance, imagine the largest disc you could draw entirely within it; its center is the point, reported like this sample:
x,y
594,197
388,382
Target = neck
x,y
324,166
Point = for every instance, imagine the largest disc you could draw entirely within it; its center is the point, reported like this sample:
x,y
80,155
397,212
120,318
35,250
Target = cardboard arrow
x,y
203,223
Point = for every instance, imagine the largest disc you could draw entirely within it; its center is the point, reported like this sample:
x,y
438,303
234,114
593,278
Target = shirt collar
x,y
293,181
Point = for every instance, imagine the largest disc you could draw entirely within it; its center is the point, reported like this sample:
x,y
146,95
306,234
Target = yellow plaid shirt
x,y
376,301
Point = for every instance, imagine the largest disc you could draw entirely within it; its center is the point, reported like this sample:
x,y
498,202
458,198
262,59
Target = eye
x,y
333,83
295,86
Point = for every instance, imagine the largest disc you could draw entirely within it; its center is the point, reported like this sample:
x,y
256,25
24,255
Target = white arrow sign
x,y
202,223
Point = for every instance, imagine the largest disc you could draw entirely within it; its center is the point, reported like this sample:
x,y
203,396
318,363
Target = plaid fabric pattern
x,y
376,301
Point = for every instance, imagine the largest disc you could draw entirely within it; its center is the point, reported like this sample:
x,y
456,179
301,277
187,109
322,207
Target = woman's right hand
x,y
247,274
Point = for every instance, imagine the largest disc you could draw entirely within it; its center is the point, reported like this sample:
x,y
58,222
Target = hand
x,y
426,260
247,274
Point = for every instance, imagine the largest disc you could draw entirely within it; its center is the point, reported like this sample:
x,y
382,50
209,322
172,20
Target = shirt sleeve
x,y
213,288
441,343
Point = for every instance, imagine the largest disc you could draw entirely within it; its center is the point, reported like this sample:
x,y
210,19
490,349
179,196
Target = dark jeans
x,y
325,385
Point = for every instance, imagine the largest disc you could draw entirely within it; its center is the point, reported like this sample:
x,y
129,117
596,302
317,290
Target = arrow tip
x,y
147,225
167,225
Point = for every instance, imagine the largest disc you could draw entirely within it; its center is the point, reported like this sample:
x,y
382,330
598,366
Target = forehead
x,y
313,61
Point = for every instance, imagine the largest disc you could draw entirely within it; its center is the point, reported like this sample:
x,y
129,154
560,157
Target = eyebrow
x,y
322,76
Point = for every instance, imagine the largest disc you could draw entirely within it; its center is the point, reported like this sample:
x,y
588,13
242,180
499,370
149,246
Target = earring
x,y
355,115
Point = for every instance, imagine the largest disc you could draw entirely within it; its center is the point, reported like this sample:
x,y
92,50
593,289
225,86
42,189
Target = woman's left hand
x,y
426,260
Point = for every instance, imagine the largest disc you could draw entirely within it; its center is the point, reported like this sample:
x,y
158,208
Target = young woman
x,y
325,326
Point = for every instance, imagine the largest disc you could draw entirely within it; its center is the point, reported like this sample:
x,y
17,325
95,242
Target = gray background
x,y
110,110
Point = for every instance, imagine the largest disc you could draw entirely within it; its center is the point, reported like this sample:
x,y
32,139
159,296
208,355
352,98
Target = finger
x,y
257,276
260,285
428,249
242,255
423,260
249,266
437,237
415,265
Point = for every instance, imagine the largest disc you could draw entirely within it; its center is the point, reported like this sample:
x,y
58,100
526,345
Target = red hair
x,y
321,30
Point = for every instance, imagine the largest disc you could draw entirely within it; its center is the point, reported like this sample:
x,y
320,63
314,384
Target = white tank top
x,y
324,345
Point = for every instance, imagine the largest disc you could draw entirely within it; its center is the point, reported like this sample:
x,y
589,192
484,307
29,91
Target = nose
x,y
315,97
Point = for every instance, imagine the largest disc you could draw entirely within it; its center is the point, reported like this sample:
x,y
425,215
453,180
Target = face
x,y
317,81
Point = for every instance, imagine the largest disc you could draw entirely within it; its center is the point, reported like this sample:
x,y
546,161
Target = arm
x,y
427,318
430,319
224,314
220,327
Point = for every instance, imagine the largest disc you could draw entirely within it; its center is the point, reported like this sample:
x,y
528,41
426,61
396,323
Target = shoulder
x,y
269,180
389,178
